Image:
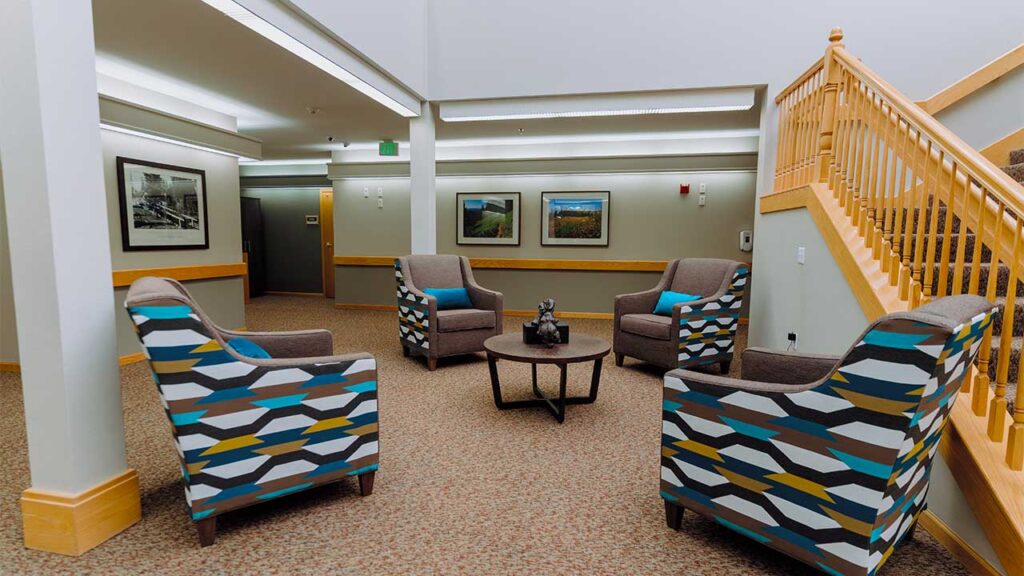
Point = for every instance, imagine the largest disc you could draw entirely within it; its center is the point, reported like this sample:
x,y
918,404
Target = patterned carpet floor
x,y
463,488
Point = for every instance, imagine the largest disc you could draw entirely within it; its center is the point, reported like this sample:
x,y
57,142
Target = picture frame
x,y
488,218
575,218
163,207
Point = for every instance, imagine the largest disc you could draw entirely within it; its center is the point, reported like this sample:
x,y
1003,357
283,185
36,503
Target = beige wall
x,y
221,298
814,300
649,220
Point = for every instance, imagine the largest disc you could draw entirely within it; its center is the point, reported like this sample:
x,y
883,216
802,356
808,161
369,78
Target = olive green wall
x,y
649,220
221,298
292,247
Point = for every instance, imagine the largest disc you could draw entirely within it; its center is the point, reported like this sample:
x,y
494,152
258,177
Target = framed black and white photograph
x,y
487,218
574,218
163,207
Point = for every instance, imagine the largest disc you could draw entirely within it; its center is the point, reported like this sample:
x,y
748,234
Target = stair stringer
x,y
994,492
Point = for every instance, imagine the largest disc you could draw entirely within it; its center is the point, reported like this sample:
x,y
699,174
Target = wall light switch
x,y
702,198
380,192
703,187
380,202
801,255
366,192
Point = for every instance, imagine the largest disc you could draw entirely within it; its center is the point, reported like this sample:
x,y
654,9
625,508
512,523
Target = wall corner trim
x,y
73,524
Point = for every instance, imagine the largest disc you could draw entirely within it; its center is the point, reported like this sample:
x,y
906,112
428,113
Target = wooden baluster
x,y
867,223
979,396
878,184
909,189
997,409
814,133
860,209
885,250
838,158
972,283
896,184
801,134
919,265
871,234
947,233
851,149
1015,443
932,192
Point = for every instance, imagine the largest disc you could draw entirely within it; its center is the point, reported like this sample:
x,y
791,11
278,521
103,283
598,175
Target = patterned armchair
x,y
826,459
427,331
247,429
699,332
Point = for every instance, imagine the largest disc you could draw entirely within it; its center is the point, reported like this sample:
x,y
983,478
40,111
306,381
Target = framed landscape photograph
x,y
574,218
163,207
487,219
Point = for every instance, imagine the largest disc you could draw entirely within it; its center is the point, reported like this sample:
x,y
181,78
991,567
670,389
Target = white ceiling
x,y
187,49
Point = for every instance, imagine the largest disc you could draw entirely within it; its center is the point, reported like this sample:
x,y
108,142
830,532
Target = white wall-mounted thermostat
x,y
746,240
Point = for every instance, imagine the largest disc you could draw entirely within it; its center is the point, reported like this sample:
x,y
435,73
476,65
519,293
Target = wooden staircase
x,y
918,214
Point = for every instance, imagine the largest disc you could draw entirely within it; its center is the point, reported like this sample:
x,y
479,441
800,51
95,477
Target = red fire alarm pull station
x,y
684,188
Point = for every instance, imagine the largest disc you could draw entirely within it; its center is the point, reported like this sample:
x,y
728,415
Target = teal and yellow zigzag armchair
x,y
247,429
826,459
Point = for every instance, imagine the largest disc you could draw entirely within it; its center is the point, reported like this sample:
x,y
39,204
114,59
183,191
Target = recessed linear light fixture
x,y
243,16
158,138
595,105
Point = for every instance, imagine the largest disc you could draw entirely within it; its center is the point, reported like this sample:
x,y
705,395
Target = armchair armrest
x,y
483,298
764,365
637,302
699,379
295,344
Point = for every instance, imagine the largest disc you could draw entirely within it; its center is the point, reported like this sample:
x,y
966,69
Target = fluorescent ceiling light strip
x,y
253,22
283,162
593,113
175,141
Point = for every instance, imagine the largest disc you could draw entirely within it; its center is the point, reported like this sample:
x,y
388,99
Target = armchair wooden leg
x,y
673,515
366,483
619,358
725,366
431,363
207,529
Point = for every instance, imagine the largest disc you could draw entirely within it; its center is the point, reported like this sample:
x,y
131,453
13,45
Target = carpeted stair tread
x,y
1002,279
1017,156
969,241
1016,171
1018,317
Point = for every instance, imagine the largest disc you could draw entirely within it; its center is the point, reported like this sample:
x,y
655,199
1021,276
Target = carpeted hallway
x,y
462,488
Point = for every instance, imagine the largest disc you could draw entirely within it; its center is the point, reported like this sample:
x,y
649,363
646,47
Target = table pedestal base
x,y
556,406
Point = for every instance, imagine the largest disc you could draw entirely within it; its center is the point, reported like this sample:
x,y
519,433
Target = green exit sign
x,y
388,148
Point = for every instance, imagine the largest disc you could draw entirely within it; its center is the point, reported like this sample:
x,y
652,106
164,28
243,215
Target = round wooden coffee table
x,y
579,349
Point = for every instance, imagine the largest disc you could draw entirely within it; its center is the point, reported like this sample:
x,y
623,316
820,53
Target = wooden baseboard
x,y
73,524
370,307
956,545
10,367
286,293
131,358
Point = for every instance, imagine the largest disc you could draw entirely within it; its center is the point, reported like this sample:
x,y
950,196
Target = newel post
x,y
830,100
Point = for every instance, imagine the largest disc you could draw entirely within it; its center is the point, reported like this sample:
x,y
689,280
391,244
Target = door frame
x,y
327,240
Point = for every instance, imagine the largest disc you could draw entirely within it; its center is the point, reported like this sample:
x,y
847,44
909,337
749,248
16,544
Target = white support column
x,y
422,181
60,262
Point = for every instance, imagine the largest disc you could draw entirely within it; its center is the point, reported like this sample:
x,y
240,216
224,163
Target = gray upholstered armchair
x,y
697,333
280,415
433,333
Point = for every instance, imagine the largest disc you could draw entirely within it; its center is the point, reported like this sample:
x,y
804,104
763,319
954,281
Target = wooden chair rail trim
x,y
811,71
124,278
974,81
513,313
524,263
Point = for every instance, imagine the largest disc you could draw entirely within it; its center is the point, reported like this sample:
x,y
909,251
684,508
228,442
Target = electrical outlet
x,y
380,202
801,255
366,191
380,192
702,198
703,187
791,337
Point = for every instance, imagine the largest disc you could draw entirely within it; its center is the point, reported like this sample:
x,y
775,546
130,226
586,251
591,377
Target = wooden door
x,y
252,244
327,240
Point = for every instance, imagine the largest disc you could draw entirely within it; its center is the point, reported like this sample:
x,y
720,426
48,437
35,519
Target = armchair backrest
x,y
881,413
435,271
703,276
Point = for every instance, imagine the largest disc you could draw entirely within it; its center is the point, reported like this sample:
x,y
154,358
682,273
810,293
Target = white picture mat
x,y
133,179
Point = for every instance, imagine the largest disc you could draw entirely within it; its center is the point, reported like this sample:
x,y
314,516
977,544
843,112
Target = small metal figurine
x,y
547,326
